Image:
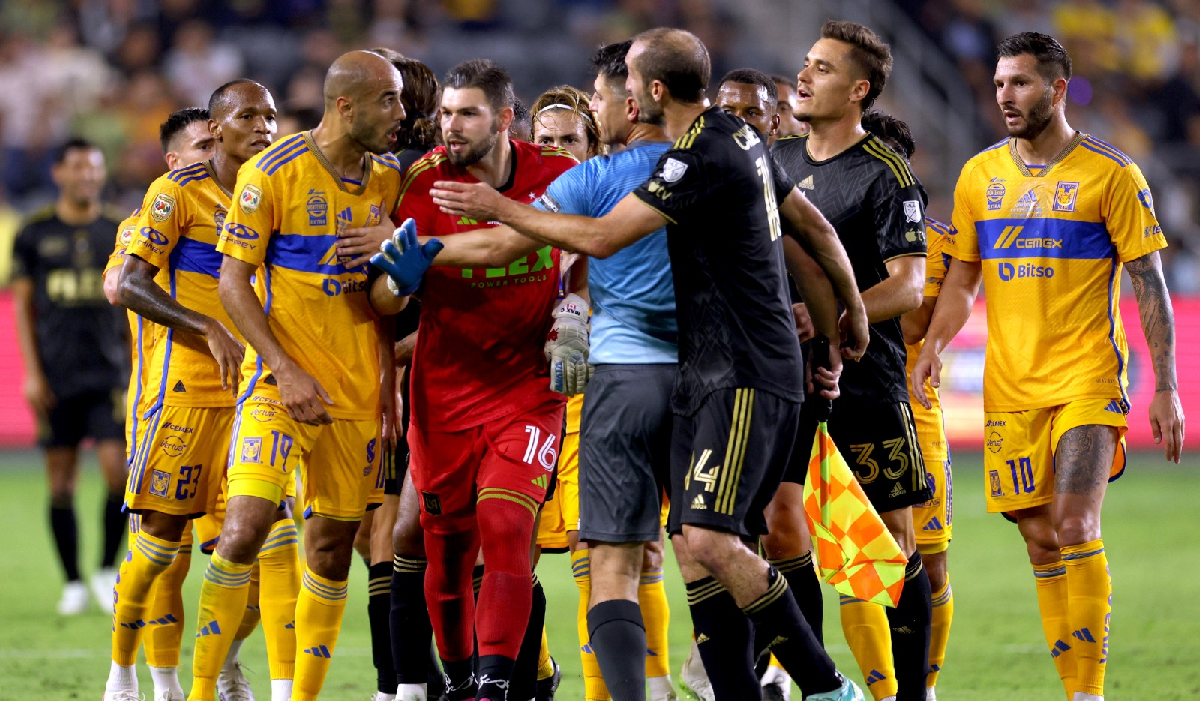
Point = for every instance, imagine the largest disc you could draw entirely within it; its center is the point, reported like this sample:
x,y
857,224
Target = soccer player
x,y
75,357
191,380
311,396
789,102
562,119
737,391
1047,218
752,97
869,194
521,128
932,520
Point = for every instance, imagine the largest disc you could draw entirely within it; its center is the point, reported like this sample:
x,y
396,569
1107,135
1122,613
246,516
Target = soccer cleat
x,y
848,691
381,696
165,695
546,687
103,583
232,684
123,695
930,695
74,599
693,679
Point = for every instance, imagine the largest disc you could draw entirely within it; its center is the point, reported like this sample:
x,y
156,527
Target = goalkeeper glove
x,y
404,259
567,346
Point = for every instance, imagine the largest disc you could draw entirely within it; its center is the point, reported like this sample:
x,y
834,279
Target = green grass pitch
x,y
996,646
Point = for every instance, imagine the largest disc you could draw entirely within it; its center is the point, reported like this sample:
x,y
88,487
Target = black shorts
x,y
395,462
625,452
879,443
728,459
99,415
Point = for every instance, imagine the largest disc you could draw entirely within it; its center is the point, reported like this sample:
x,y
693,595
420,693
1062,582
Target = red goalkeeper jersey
x,y
479,348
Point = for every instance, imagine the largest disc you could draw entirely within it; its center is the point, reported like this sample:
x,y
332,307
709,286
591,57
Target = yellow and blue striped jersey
x,y
177,232
929,421
1052,245
290,204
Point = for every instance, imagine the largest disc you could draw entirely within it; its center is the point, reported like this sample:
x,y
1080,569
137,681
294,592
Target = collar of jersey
x,y
1024,169
814,162
337,178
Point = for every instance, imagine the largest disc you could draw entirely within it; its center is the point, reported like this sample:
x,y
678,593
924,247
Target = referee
x,y
76,355
738,388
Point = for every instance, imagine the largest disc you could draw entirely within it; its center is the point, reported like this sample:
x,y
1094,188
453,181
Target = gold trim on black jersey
x,y
1024,169
689,138
883,152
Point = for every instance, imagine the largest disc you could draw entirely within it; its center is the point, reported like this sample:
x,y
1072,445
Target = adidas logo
x,y
1059,648
874,677
134,625
467,221
164,621
179,387
698,503
933,525
587,649
1027,204
897,490
541,481
806,183
319,651
1083,634
210,629
1115,407
291,626
702,638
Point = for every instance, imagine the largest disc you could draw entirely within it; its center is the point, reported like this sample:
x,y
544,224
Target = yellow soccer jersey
x,y
289,206
930,430
1052,246
177,232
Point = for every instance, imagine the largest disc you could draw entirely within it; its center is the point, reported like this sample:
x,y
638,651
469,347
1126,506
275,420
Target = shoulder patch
x,y
250,199
162,207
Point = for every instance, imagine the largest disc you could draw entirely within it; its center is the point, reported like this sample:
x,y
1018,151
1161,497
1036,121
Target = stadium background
x,y
111,70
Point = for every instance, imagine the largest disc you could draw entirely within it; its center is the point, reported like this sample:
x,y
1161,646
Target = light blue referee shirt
x,y
633,297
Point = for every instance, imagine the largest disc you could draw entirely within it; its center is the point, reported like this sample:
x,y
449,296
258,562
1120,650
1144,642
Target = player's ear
x,y
774,126
631,110
1060,89
860,90
171,158
506,118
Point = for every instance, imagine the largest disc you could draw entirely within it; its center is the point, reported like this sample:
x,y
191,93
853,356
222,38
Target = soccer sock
x,y
116,522
802,579
409,619
777,617
943,613
910,623
251,615
618,636
1089,610
656,616
222,604
319,610
545,666
66,536
279,572
506,595
723,637
865,626
1051,581
593,683
164,632
525,671
379,603
460,678
166,681
147,559
448,595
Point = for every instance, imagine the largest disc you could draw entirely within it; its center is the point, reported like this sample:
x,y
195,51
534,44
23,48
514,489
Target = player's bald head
x,y
674,57
233,94
357,73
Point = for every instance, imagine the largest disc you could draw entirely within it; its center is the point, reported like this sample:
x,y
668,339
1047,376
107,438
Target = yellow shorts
x,y
339,464
1019,461
561,514
933,520
180,460
208,527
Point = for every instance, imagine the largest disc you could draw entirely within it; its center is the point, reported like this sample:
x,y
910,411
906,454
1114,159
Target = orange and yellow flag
x,y
854,550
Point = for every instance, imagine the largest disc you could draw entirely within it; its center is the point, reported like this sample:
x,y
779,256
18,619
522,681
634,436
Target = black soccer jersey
x,y
877,206
716,186
82,339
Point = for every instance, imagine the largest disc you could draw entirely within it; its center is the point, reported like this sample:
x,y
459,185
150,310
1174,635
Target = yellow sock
x,y
545,668
164,630
319,612
1051,583
943,613
250,616
656,616
594,688
148,557
222,605
870,639
279,567
1089,609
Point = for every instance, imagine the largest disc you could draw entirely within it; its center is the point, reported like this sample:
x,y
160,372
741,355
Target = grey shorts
x,y
625,452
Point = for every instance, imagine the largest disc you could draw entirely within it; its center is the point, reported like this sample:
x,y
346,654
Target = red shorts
x,y
511,458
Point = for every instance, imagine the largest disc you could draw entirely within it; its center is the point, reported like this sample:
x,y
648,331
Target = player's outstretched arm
x,y
302,395
901,292
949,316
137,292
1158,324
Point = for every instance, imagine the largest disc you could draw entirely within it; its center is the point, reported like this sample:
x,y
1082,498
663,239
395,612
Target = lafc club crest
x,y
1064,197
673,170
162,207
250,198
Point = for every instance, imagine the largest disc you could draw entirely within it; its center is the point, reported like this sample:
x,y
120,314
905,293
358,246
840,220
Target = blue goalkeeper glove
x,y
404,259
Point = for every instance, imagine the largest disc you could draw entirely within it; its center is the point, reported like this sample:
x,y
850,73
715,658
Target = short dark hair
x,y
177,122
1052,59
75,143
221,95
677,59
521,127
486,75
750,76
777,79
891,130
873,56
609,62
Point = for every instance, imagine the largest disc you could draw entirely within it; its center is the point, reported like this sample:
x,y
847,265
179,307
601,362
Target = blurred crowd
x,y
111,70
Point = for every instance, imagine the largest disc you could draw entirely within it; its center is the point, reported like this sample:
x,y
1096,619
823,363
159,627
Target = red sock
x,y
506,598
448,591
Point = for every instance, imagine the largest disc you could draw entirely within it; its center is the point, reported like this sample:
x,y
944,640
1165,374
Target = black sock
x,y
910,622
116,524
802,579
723,636
409,621
476,580
618,638
379,604
460,679
436,686
777,617
493,677
524,674
66,537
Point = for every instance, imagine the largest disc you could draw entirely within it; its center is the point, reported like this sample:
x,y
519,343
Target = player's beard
x,y
1036,119
649,111
368,137
476,152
